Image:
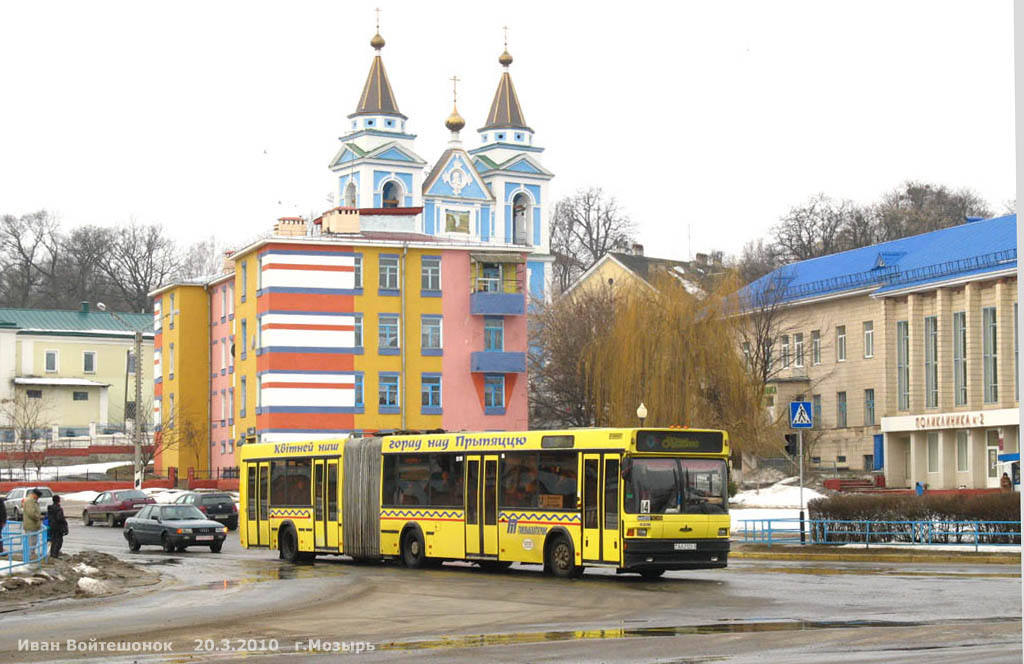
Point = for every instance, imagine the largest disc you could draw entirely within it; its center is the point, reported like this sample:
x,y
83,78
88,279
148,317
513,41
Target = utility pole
x,y
137,428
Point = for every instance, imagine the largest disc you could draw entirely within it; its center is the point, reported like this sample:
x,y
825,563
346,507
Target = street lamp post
x,y
137,428
641,412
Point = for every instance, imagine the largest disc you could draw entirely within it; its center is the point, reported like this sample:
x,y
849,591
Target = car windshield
x,y
676,486
180,513
216,499
47,493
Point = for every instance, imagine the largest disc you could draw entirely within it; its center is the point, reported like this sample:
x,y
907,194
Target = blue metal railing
x,y
882,533
22,548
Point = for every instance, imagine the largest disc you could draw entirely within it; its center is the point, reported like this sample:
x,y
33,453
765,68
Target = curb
x,y
980,558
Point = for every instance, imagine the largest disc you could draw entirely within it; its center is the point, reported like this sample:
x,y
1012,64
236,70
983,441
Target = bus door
x,y
592,507
319,505
610,540
333,504
256,488
482,505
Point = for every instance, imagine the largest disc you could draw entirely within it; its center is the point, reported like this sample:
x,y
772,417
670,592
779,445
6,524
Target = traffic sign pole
x,y
800,452
801,416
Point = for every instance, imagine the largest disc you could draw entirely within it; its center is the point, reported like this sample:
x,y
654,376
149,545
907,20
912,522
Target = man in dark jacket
x,y
3,521
58,526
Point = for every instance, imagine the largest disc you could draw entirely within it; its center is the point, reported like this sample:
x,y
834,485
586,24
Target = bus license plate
x,y
686,546
201,538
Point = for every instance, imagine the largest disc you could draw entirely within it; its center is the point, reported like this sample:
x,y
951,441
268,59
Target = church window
x,y
500,137
350,194
456,221
484,137
389,123
520,213
369,123
519,137
391,194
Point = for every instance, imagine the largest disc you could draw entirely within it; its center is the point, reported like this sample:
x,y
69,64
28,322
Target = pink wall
x,y
463,335
221,439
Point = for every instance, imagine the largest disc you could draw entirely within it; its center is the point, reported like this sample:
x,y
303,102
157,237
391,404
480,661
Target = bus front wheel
x,y
289,546
560,558
413,551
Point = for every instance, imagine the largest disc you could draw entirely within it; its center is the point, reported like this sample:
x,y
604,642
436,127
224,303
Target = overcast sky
x,y
219,117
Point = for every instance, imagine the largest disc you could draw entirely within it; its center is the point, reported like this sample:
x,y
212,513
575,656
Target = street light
x,y
641,412
137,429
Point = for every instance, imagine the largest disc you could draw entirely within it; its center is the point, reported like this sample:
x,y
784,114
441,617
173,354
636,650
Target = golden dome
x,y
377,42
455,122
505,58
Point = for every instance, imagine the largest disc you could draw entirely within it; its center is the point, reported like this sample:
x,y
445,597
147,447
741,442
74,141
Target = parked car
x,y
115,506
17,496
217,506
174,527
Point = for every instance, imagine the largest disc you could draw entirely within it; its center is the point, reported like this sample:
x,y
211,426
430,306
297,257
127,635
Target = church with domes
x,y
495,193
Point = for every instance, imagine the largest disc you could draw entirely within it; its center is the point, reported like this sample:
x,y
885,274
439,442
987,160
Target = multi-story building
x,y
907,351
78,364
402,308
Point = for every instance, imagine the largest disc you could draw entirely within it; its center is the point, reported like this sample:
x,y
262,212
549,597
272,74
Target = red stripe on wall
x,y
320,421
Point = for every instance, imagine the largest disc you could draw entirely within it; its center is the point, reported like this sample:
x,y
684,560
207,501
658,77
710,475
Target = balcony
x,y
489,361
497,303
497,281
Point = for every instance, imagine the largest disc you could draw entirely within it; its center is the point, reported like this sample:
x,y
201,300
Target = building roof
x,y
93,323
975,248
505,110
377,97
688,273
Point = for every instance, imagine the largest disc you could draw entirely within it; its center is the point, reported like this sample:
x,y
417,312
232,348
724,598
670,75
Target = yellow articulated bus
x,y
636,500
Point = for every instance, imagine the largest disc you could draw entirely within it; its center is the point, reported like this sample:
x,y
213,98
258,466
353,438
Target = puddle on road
x,y
517,638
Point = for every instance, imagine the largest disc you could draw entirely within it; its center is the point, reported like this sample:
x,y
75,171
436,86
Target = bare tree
x,y
140,258
917,207
757,259
560,331
30,419
584,227
202,259
28,253
815,228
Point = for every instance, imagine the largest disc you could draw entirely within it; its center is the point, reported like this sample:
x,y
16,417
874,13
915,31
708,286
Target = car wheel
x,y
111,521
166,542
133,544
215,547
560,558
180,548
289,546
86,518
232,525
413,550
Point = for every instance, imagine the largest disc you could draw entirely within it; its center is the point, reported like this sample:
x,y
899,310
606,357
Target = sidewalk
x,y
917,554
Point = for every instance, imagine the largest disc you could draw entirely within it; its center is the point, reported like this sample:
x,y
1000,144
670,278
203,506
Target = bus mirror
x,y
627,468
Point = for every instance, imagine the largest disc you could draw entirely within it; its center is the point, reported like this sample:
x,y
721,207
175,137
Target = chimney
x,y
340,220
85,307
702,260
290,227
229,263
638,249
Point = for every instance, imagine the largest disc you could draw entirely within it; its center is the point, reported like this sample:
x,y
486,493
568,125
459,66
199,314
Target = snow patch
x,y
80,496
91,586
82,568
778,495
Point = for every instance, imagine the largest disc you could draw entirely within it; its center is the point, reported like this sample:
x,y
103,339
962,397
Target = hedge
x,y
929,511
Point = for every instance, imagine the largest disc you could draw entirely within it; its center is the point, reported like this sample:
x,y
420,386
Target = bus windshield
x,y
676,486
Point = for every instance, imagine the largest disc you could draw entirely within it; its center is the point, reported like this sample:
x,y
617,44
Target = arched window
x,y
391,195
350,195
520,215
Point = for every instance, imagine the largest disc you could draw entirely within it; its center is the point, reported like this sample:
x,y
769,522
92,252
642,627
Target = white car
x,y
16,496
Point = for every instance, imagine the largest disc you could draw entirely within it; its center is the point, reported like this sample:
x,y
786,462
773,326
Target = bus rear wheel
x,y
413,552
651,574
289,546
560,559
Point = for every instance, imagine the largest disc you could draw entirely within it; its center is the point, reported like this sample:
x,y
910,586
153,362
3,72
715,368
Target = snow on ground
x,y
79,496
778,495
47,473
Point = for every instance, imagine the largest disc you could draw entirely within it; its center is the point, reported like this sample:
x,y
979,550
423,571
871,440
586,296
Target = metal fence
x,y
881,533
21,548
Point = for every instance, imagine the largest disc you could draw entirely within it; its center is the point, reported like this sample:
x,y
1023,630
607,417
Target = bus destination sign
x,y
684,440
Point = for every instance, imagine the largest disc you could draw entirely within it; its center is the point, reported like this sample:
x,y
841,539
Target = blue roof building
x,y
907,350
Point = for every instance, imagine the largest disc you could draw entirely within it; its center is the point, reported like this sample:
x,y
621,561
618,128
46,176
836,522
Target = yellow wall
x,y
246,310
111,359
186,427
609,269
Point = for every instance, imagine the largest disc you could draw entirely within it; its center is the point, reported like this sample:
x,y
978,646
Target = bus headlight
x,y
723,532
636,532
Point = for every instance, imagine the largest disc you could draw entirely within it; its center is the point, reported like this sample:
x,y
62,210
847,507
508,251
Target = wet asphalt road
x,y
754,611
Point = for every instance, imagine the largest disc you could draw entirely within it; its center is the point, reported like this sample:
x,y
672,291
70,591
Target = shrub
x,y
929,514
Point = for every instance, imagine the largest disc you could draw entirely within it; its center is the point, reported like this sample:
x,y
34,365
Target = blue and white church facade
x,y
496,193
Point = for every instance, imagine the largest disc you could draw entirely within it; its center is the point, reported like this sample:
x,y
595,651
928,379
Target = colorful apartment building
x,y
402,308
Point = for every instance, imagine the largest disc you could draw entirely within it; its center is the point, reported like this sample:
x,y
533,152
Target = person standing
x,y
58,526
32,517
3,522
1006,484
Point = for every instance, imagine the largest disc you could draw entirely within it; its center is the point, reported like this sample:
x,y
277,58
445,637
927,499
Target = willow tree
x,y
675,348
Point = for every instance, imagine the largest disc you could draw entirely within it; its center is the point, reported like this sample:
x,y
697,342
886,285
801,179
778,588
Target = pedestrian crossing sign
x,y
800,415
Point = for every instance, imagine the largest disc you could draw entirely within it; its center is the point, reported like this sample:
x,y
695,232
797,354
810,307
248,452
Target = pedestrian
x,y
58,526
3,522
919,489
1005,484
31,517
